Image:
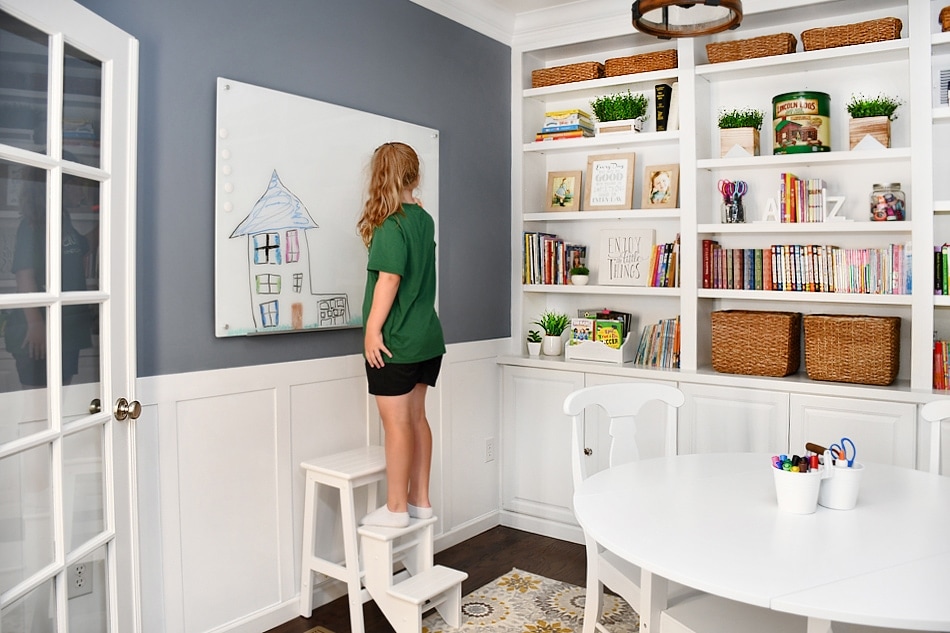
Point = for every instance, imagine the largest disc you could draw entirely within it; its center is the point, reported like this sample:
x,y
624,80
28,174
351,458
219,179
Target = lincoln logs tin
x,y
800,123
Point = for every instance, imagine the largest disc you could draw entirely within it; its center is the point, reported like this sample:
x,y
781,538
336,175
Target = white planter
x,y
579,280
552,345
534,349
624,125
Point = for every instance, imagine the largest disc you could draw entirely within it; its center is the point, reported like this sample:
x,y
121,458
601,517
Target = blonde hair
x,y
394,168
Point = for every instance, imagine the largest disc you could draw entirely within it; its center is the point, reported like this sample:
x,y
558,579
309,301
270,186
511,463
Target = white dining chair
x,y
684,610
935,412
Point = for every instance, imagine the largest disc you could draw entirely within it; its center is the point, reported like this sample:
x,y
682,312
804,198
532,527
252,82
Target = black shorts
x,y
397,379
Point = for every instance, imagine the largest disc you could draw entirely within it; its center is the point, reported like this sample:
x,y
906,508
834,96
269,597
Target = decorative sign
x,y
625,257
609,183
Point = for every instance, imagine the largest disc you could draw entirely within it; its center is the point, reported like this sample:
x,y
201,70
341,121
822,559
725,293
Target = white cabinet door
x,y
536,453
728,419
882,431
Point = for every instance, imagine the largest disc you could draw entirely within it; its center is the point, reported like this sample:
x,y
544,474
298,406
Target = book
x,y
582,329
550,129
556,136
661,100
609,332
673,120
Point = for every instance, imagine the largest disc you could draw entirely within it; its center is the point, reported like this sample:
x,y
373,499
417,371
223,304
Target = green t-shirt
x,y
405,245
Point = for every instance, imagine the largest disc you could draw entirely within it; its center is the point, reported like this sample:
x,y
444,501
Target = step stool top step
x,y
428,584
358,462
388,533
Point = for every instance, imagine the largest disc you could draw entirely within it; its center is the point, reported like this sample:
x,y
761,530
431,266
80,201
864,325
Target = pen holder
x,y
797,493
840,490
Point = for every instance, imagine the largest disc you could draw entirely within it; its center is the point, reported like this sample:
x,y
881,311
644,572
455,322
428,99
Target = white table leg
x,y
653,600
817,625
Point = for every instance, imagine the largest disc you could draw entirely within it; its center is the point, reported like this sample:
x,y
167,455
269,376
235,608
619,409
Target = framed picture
x,y
609,183
625,257
660,186
563,192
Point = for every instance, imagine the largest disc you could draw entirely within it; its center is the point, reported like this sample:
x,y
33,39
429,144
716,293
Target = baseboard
x,y
544,527
466,531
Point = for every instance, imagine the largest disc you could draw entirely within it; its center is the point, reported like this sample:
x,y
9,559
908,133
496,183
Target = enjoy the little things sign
x,y
625,257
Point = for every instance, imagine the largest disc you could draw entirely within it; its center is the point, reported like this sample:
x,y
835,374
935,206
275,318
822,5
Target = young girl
x,y
403,342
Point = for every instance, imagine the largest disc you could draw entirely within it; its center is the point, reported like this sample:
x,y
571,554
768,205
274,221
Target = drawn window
x,y
270,314
267,248
298,282
268,284
292,247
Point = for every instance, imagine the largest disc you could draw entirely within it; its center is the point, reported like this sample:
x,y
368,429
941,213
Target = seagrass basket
x,y
581,71
756,343
762,46
945,18
849,34
642,63
852,348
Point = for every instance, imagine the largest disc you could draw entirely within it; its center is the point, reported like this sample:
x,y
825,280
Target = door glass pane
x,y
83,487
82,112
22,228
87,594
26,515
80,233
24,72
81,361
33,612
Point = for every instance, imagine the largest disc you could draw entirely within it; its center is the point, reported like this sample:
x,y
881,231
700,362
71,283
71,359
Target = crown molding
x,y
487,19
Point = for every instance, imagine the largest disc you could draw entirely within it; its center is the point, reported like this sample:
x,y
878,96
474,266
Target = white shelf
x,y
805,159
802,297
805,227
595,87
942,113
586,216
941,206
602,290
612,139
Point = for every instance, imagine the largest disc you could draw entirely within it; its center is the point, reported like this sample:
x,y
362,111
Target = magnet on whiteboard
x,y
223,133
226,170
225,154
228,187
228,207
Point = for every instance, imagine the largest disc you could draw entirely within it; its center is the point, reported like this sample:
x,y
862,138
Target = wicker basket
x,y
566,74
945,18
643,63
756,343
859,349
764,46
849,34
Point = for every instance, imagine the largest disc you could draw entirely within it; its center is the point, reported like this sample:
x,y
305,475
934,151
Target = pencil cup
x,y
797,492
840,490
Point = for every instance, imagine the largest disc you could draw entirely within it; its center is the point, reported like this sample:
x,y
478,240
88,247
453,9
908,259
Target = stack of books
x,y
664,269
801,200
660,345
548,259
941,365
565,124
607,326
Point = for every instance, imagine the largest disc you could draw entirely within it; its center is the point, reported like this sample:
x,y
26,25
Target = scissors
x,y
740,187
840,451
727,188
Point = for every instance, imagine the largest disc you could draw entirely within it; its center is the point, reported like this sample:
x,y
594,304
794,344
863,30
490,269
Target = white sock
x,y
420,513
383,517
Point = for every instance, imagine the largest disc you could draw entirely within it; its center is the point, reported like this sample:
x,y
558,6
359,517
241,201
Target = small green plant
x,y
553,323
534,336
882,105
580,270
742,117
620,106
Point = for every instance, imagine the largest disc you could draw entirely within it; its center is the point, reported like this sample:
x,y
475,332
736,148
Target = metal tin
x,y
801,122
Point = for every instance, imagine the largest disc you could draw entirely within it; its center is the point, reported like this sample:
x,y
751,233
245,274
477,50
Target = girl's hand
x,y
35,340
374,348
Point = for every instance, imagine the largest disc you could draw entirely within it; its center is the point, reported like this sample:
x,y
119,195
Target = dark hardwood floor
x,y
483,557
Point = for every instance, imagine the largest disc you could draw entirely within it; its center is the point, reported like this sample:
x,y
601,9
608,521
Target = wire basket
x,y
945,18
566,74
851,348
849,34
643,63
756,343
763,46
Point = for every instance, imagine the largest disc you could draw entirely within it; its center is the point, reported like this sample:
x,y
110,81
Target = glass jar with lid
x,y
887,203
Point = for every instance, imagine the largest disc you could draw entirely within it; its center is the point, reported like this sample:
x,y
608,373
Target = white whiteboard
x,y
290,180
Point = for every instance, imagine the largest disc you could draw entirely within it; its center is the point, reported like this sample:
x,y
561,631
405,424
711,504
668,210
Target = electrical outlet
x,y
78,580
490,449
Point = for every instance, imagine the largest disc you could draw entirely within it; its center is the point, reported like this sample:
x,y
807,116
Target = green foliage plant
x,y
882,105
741,117
553,323
620,106
534,336
580,270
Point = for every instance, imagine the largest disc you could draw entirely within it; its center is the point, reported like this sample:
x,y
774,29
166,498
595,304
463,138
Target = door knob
x,y
95,406
125,409
588,451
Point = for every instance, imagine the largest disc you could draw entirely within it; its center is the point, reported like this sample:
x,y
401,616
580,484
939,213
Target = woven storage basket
x,y
643,63
756,343
763,46
566,74
848,34
858,349
945,18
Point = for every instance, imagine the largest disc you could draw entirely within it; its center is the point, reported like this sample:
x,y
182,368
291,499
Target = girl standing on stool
x,y
403,342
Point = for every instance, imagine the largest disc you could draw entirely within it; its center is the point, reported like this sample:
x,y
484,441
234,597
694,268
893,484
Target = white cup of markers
x,y
804,483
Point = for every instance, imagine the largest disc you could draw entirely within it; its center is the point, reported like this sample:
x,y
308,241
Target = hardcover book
x,y
662,94
609,332
582,329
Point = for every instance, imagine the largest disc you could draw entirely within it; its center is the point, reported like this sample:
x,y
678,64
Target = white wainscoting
x,y
221,491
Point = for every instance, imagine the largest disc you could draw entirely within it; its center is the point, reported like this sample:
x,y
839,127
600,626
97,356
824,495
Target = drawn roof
x,y
277,209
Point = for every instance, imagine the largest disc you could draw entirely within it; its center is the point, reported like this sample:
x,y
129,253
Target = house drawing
x,y
280,283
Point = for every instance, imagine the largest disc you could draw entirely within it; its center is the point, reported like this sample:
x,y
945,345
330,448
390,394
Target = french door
x,y
68,83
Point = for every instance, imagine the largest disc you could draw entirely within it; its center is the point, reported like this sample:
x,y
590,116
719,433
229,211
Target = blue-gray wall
x,y
388,57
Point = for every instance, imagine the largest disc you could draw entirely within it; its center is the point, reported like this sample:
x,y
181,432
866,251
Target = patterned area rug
x,y
519,602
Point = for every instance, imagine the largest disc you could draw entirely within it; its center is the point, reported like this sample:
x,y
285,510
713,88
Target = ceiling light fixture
x,y
684,18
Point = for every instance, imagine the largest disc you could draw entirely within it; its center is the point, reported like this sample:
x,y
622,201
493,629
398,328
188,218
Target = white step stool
x,y
346,472
429,586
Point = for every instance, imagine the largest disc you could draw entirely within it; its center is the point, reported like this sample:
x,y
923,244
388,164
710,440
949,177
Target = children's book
x,y
609,332
582,329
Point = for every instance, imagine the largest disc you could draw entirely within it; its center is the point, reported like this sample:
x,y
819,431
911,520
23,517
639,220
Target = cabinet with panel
x,y
717,419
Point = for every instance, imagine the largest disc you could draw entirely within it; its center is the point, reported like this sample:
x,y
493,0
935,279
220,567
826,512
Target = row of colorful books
x,y
610,327
801,200
565,124
660,345
809,268
942,270
941,364
548,259
664,265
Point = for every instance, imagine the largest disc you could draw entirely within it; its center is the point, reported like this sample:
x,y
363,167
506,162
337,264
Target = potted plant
x,y
553,323
620,112
871,116
579,275
740,127
534,343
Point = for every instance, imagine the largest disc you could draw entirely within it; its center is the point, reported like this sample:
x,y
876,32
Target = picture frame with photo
x,y
564,191
609,183
660,187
